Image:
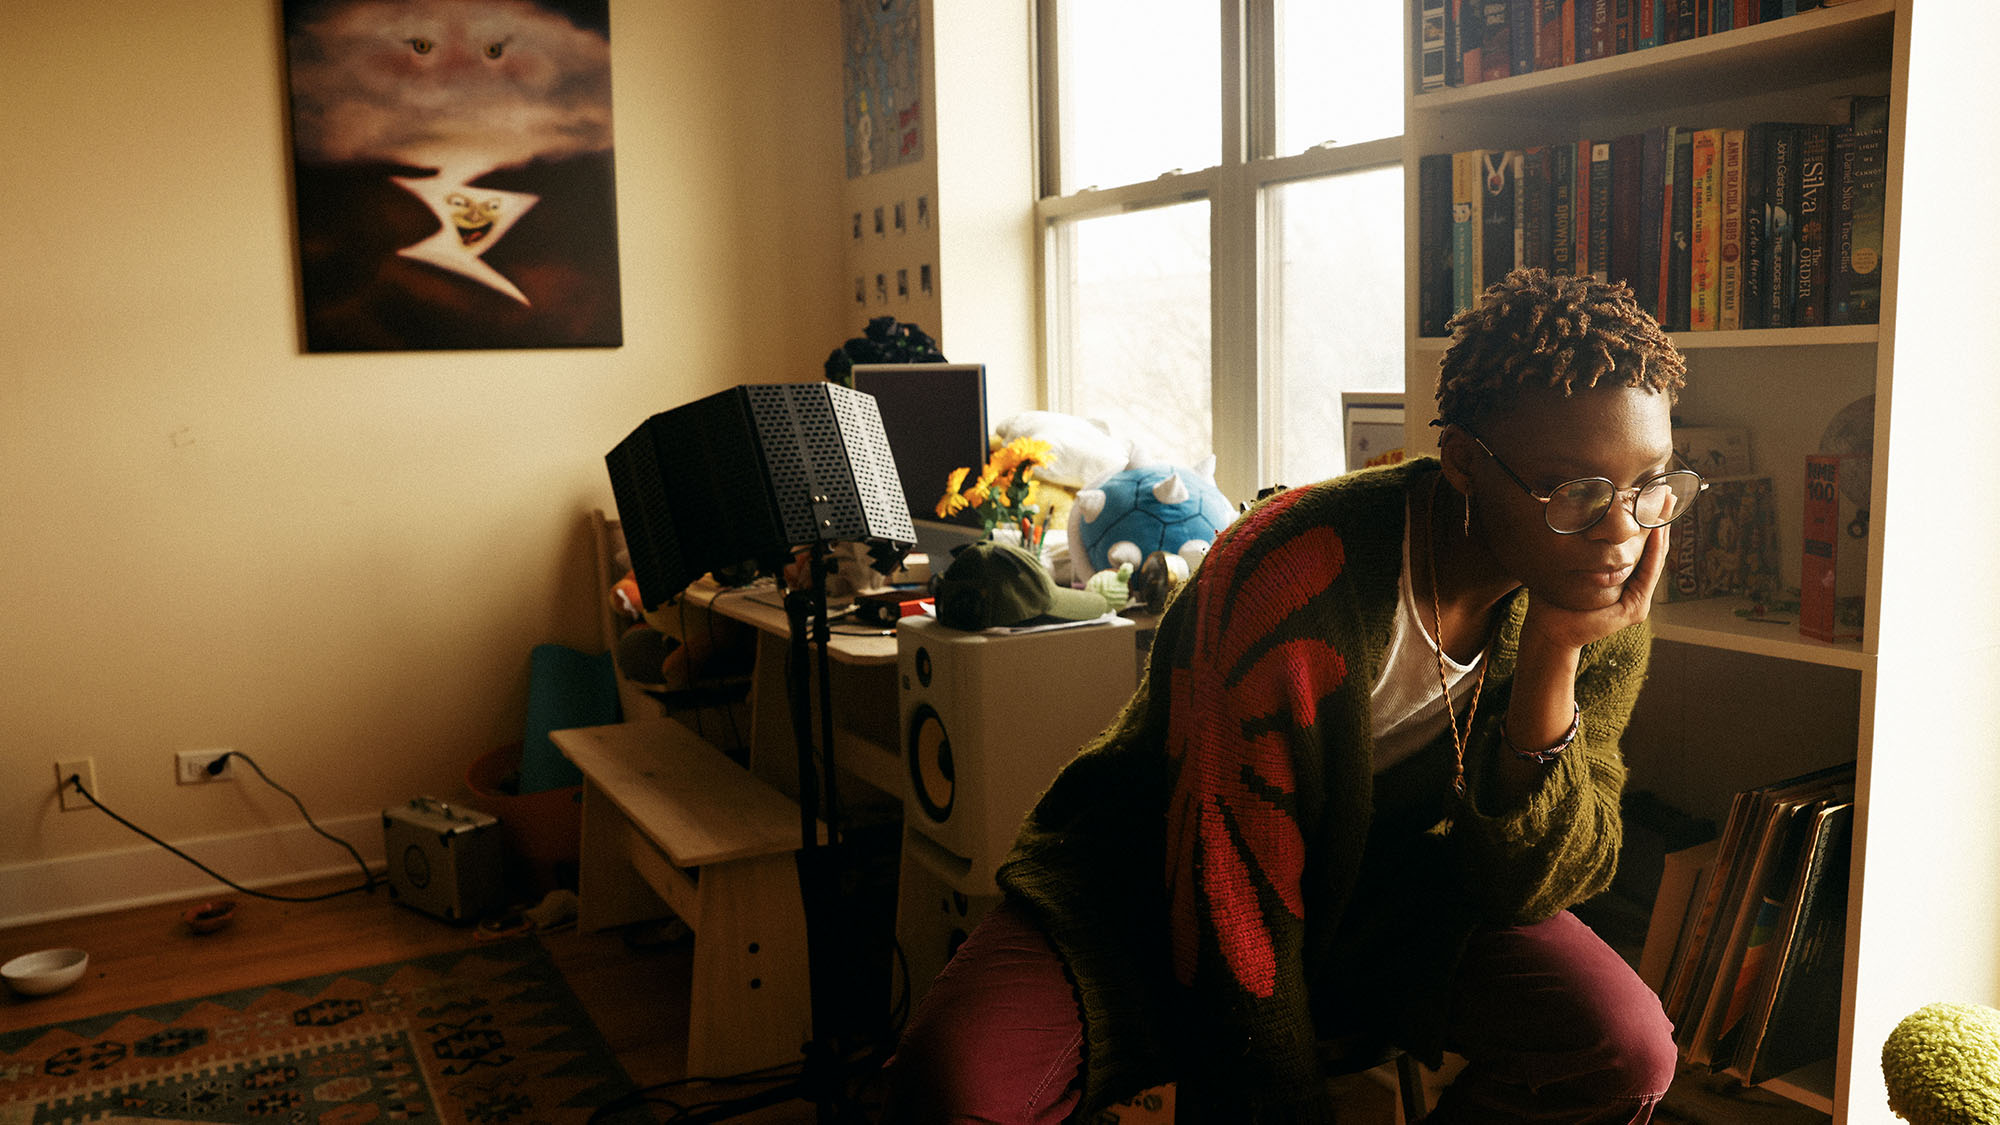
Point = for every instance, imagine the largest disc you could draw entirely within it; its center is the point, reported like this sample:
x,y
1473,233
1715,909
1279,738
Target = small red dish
x,y
208,917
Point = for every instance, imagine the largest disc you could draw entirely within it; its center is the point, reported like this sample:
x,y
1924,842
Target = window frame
x,y
1243,257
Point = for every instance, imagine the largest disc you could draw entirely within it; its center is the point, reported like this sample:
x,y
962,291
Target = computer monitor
x,y
934,415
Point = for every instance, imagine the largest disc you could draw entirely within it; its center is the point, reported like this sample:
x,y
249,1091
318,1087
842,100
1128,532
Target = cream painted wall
x,y
338,564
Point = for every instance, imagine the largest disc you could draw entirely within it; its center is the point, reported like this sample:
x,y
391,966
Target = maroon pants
x,y
1554,1027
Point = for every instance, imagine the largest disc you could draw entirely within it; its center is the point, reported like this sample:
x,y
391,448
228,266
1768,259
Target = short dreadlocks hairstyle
x,y
1535,329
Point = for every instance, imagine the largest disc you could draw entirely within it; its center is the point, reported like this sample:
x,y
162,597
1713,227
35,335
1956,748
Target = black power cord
x,y
368,878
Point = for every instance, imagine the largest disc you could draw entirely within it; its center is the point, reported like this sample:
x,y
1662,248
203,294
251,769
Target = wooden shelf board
x,y
1714,622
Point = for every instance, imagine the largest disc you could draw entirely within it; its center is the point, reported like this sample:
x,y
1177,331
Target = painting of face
x,y
452,161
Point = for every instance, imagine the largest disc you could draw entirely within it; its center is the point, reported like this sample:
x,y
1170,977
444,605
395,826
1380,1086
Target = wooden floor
x,y
634,983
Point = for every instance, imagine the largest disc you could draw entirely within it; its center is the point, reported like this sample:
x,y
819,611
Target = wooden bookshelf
x,y
1922,727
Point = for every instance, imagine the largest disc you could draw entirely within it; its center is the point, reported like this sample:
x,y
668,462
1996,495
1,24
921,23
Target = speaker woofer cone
x,y
931,772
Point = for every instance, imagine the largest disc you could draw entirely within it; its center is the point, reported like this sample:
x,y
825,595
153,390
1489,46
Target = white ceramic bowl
x,y
51,970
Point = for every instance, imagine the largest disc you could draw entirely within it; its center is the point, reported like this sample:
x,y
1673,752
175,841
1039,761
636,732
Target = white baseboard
x,y
148,874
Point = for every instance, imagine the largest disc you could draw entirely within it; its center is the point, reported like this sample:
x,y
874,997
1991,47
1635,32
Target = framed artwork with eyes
x,y
453,174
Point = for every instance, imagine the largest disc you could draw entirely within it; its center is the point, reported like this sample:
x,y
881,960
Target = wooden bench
x,y
669,819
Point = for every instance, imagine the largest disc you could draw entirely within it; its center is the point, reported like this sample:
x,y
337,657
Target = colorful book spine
x,y
1651,14
1602,192
1533,194
1652,192
1496,54
1834,563
1814,212
1704,230
1756,241
1569,22
1780,202
1624,26
1670,208
1562,208
1855,296
1596,37
1468,26
1685,19
1581,207
1548,33
1626,152
1498,170
1729,299
1434,244
1680,243
1521,36
1466,193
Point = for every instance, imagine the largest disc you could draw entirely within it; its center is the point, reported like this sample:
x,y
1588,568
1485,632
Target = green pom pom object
x,y
1942,1064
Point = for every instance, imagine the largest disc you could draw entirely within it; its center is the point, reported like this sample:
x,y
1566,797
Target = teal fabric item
x,y
566,688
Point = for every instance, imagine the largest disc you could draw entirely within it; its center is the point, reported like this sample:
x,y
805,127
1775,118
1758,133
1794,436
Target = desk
x,y
862,669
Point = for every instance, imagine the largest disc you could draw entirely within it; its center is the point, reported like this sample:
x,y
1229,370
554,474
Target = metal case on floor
x,y
444,860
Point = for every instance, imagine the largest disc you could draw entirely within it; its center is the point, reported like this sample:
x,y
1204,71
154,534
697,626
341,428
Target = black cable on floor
x,y
369,879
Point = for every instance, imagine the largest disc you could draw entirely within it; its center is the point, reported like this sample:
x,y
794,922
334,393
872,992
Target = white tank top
x,y
1406,708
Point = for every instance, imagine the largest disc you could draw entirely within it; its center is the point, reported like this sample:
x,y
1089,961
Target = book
x,y
1834,560
1499,173
1680,243
1780,201
1652,188
1684,23
1624,26
1469,27
1434,244
1496,54
1623,262
1569,31
1756,144
1692,979
1736,548
1522,36
1580,207
1800,1017
1562,208
1466,221
1532,198
1775,821
1855,279
1681,878
1548,33
1652,13
1729,268
1704,229
1594,38
1602,192
1809,274
1432,24
1787,838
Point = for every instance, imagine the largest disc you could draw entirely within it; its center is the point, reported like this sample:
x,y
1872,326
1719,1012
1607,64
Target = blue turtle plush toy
x,y
1132,513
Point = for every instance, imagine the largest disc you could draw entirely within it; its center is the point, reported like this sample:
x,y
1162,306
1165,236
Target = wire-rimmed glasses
x,y
1576,506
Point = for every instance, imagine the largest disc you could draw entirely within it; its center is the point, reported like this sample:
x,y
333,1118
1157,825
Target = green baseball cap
x,y
993,585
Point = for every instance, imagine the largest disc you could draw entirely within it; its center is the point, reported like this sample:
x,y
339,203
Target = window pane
x,y
1340,72
1139,89
1336,292
1138,327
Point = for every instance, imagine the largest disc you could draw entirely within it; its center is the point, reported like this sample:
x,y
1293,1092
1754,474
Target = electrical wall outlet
x,y
191,766
85,770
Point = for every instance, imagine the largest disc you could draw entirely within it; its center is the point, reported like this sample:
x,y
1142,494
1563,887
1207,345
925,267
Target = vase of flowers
x,y
1003,497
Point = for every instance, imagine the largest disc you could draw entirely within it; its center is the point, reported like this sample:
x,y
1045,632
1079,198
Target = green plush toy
x,y
1942,1064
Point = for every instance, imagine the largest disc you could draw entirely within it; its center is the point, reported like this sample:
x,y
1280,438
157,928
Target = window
x,y
1223,199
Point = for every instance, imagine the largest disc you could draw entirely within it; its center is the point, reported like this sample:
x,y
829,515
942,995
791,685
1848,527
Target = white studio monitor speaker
x,y
987,721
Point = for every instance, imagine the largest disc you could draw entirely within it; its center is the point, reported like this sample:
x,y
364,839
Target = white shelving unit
x,y
1912,701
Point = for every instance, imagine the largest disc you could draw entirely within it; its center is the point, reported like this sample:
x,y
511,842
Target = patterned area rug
x,y
490,1036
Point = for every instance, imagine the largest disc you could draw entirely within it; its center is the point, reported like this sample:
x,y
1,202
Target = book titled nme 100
x,y
1834,551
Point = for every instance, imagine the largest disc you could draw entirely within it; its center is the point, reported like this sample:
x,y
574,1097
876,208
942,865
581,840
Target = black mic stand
x,y
829,948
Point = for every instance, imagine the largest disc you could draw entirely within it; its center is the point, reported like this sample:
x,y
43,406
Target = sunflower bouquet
x,y
1004,494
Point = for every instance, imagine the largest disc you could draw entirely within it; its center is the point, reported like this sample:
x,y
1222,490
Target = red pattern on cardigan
x,y
1231,837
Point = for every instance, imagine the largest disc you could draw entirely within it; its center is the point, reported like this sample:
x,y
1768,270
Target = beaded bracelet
x,y
1544,757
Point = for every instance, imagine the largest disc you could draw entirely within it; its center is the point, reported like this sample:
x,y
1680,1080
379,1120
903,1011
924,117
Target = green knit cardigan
x,y
1225,876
